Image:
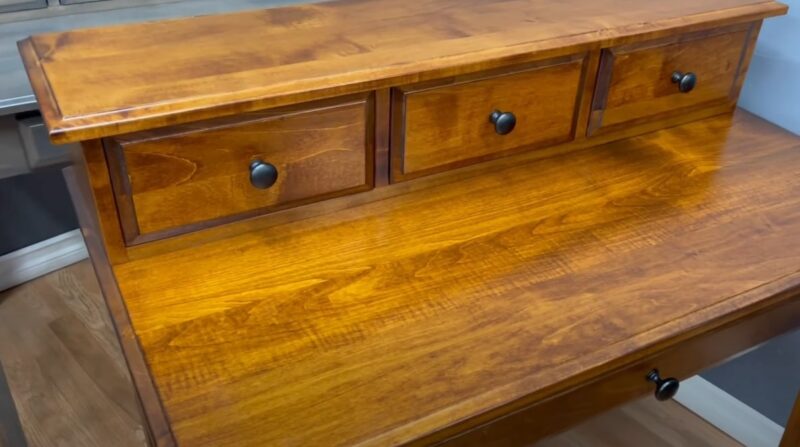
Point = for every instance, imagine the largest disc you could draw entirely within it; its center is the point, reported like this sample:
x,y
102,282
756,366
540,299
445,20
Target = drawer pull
x,y
665,388
262,174
504,122
685,81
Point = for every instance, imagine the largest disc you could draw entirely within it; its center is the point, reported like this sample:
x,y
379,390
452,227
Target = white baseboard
x,y
728,414
41,258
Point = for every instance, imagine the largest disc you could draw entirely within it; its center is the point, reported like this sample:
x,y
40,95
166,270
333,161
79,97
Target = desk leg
x,y
791,437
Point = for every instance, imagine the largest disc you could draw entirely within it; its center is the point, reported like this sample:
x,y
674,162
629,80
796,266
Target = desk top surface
x,y
386,321
97,82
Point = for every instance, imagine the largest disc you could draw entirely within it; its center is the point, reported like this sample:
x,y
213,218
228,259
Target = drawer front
x,y
657,80
447,124
193,176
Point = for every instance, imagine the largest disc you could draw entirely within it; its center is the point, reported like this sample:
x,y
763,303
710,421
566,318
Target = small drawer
x,y
463,120
654,80
197,175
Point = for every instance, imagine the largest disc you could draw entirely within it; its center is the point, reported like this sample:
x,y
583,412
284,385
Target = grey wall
x,y
772,89
766,379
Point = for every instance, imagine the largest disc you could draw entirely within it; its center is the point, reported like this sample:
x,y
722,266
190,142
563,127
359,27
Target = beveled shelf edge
x,y
68,129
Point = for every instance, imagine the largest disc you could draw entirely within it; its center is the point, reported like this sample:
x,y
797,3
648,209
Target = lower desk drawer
x,y
659,79
192,176
551,414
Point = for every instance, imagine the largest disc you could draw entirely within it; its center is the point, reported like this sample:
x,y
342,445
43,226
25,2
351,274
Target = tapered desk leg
x,y
791,437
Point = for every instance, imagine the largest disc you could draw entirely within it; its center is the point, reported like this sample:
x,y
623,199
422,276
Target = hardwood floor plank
x,y
86,351
646,422
65,373
10,429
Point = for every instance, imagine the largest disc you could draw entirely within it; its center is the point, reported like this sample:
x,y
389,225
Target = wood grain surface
x,y
639,75
390,321
447,124
104,81
64,365
40,302
193,174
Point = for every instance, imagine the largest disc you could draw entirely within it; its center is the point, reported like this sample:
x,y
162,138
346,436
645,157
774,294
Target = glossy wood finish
x,y
791,437
263,222
192,176
483,295
70,302
301,53
444,124
737,332
546,282
634,82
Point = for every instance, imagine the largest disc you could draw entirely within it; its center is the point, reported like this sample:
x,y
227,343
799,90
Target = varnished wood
x,y
636,81
791,437
93,196
280,217
735,333
193,176
302,53
478,294
589,79
382,135
747,56
70,302
546,282
439,127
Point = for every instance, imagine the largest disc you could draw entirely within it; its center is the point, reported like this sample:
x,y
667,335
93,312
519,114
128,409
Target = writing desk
x,y
475,228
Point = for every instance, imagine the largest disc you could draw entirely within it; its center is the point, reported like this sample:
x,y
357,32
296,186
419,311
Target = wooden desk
x,y
352,239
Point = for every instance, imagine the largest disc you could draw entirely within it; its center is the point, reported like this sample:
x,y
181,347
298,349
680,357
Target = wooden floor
x,y
71,388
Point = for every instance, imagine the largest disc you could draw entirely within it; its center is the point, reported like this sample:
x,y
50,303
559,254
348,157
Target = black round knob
x,y
685,81
504,122
665,388
262,174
